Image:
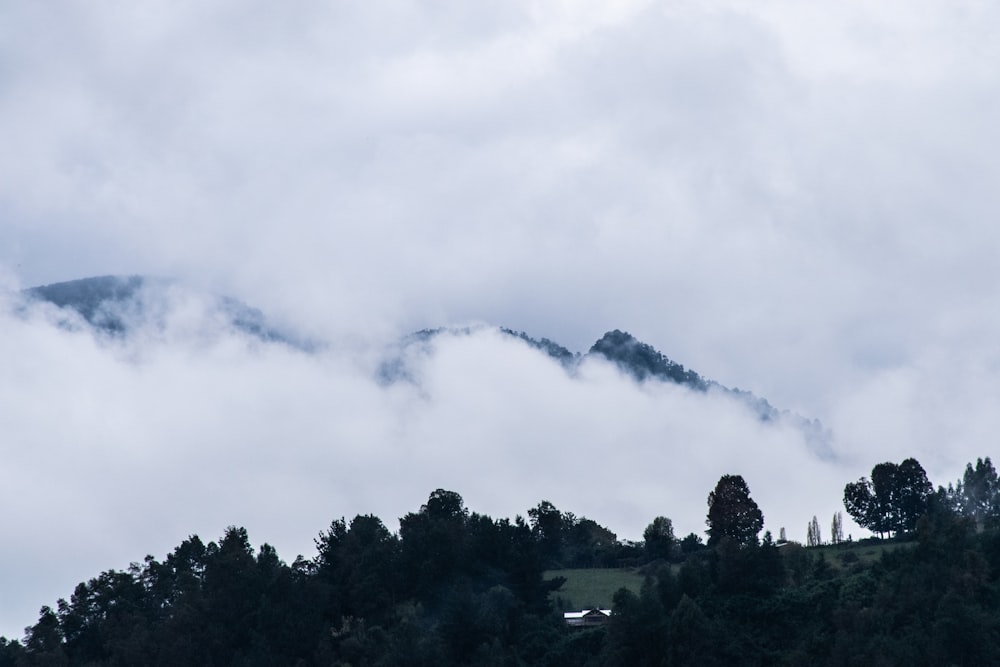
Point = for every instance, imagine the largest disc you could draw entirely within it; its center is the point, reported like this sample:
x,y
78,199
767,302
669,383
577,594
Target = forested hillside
x,y
454,587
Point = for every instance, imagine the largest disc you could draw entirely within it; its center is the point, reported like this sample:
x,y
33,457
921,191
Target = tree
x,y
892,502
690,543
445,505
548,526
360,563
433,541
913,490
586,543
979,495
732,513
659,538
691,636
837,528
813,538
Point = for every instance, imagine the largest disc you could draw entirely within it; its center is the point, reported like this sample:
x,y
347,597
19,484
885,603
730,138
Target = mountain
x,y
116,306
554,350
98,300
641,361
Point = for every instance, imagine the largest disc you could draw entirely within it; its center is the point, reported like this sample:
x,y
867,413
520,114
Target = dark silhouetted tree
x,y
433,541
912,494
979,495
732,513
691,543
813,538
659,539
892,502
837,528
548,527
360,563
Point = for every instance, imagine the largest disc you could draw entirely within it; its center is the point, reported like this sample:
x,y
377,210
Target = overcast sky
x,y
798,199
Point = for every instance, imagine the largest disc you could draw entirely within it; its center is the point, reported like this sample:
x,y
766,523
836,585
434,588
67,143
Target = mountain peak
x,y
116,306
643,361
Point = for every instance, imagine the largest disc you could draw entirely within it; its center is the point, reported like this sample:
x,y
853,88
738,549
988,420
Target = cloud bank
x,y
794,200
118,447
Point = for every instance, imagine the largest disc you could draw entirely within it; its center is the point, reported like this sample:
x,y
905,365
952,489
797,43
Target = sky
x,y
789,198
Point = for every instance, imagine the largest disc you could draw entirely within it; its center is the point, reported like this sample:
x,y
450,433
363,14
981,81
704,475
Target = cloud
x,y
793,200
122,447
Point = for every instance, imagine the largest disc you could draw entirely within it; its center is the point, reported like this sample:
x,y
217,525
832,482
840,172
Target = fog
x,y
796,201
123,446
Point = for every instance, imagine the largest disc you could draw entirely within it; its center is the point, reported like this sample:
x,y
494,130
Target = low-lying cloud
x,y
794,199
119,446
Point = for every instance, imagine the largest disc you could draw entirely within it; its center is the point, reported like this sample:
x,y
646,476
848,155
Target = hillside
x,y
459,588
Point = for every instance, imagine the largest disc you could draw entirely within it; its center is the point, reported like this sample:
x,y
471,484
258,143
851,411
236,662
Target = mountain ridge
x,y
636,359
114,305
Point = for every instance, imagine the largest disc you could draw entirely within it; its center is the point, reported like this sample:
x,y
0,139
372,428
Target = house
x,y
587,618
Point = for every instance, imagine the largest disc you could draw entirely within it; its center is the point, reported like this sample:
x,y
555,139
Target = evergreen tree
x,y
980,493
732,513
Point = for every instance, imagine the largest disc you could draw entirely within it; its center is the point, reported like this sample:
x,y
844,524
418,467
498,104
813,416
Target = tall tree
x,y
732,513
980,493
913,490
433,541
659,538
892,502
837,528
548,526
360,563
859,501
813,538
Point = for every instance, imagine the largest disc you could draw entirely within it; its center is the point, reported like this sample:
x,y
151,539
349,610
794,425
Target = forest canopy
x,y
455,587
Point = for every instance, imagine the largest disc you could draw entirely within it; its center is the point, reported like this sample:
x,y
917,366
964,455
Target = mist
x,y
122,446
796,201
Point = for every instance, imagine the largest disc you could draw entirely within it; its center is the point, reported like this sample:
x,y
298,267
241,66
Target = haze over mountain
x,y
168,410
796,199
120,306
640,361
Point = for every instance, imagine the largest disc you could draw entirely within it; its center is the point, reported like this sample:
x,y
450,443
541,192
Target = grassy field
x,y
847,554
594,587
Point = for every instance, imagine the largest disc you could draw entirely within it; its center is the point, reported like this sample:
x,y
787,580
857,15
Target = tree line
x,y
454,587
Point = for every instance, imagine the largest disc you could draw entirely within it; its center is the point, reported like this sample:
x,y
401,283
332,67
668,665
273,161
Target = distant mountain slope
x,y
98,300
553,349
117,305
641,361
